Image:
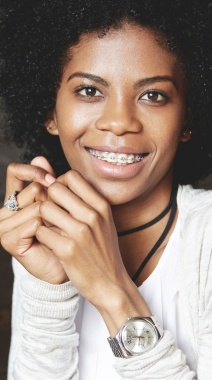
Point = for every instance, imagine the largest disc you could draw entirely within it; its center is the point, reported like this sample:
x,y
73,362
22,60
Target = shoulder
x,y
195,212
195,206
190,199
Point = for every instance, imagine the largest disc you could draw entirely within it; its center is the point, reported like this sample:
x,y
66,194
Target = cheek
x,y
71,125
74,118
167,128
165,138
167,144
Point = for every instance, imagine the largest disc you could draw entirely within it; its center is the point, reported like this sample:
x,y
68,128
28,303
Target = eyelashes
x,y
155,96
88,91
92,93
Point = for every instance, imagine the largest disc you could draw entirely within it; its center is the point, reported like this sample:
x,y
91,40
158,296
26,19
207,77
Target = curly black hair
x,y
34,41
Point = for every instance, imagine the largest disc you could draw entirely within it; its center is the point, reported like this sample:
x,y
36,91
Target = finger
x,y
67,225
42,162
65,198
18,174
79,186
37,259
19,240
60,245
80,264
84,226
32,193
15,219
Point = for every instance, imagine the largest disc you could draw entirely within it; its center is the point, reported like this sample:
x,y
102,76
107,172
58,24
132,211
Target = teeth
x,y
130,158
116,158
112,158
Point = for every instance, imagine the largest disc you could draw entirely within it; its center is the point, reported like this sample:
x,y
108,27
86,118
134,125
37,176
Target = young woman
x,y
119,245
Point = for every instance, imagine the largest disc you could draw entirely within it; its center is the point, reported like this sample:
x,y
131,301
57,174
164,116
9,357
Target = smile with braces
x,y
117,158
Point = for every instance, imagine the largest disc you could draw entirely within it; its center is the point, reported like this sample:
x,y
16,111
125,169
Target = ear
x,y
186,130
186,135
51,125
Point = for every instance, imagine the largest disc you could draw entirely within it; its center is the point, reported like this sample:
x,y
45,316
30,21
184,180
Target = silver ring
x,y
12,203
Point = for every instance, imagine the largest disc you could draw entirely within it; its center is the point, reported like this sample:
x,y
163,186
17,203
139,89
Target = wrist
x,y
121,303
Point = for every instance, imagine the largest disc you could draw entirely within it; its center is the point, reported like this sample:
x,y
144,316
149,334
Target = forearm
x,y
164,361
122,301
49,341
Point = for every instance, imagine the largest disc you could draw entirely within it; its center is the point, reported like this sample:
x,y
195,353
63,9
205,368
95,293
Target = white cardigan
x,y
45,346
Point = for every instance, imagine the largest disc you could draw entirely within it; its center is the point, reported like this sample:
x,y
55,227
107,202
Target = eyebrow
x,y
140,83
92,77
151,80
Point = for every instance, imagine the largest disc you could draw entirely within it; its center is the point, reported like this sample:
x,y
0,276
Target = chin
x,y
116,195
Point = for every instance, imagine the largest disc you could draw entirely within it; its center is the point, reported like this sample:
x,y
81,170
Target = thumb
x,y
42,162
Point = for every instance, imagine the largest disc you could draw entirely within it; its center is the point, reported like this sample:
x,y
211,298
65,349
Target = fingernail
x,y
49,179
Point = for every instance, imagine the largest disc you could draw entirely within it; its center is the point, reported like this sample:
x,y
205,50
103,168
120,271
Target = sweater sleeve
x,y
196,276
165,362
48,347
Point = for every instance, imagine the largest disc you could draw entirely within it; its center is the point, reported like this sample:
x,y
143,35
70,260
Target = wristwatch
x,y
137,336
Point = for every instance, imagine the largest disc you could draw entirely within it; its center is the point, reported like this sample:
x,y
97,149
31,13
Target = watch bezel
x,y
117,342
123,335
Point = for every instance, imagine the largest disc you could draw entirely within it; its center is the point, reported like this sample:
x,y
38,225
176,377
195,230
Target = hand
x,y
18,228
87,246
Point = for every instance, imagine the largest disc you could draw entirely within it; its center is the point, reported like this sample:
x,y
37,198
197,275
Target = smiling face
x,y
120,112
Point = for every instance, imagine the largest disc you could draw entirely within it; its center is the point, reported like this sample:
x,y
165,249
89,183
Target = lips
x,y
117,158
117,163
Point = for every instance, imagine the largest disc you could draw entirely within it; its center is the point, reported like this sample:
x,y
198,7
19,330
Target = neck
x,y
142,209
135,247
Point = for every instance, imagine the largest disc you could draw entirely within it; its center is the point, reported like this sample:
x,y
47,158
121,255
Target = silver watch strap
x,y
115,347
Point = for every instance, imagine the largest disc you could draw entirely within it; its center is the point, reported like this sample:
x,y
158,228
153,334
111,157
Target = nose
x,y
119,117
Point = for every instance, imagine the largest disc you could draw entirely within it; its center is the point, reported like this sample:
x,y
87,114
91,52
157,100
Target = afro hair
x,y
34,41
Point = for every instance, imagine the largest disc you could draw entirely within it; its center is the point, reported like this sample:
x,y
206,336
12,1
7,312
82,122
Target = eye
x,y
154,97
88,92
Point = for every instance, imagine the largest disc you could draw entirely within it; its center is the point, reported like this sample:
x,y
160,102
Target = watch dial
x,y
138,336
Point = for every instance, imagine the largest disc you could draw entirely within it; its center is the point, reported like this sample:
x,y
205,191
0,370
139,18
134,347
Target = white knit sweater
x,y
44,341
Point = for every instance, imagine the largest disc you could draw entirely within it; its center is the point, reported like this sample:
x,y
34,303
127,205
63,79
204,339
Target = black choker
x,y
171,205
149,224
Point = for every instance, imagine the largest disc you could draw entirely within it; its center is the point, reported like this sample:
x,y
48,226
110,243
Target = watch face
x,y
138,336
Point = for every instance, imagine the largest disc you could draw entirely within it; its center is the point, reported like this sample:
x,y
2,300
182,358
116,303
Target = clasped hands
x,y
65,230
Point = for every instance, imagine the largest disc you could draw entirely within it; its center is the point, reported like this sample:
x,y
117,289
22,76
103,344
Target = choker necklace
x,y
153,221
171,205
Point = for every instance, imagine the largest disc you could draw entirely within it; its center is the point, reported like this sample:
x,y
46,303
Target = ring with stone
x,y
12,203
